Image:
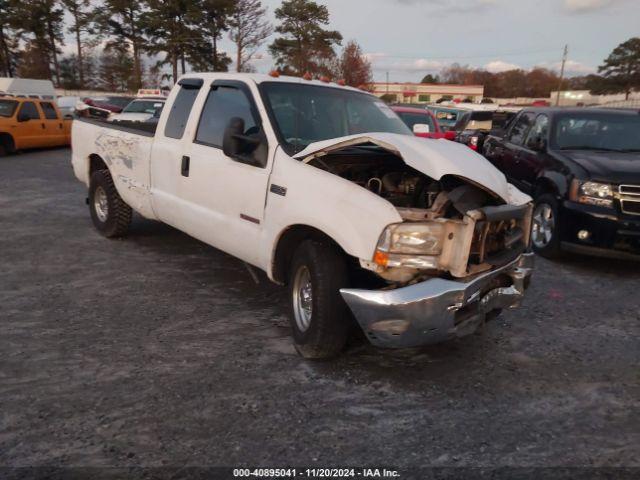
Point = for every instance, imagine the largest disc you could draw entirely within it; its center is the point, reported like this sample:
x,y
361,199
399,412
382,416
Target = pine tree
x,y
305,46
621,69
123,23
81,17
213,22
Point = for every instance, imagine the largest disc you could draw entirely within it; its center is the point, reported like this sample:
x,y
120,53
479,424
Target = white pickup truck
x,y
326,190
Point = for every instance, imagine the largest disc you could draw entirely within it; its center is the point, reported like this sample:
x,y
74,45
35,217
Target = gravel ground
x,y
159,350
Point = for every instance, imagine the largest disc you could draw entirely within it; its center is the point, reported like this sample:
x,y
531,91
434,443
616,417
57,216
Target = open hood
x,y
434,158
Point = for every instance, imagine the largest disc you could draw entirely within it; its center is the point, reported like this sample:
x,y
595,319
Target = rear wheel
x,y
110,214
6,145
319,317
545,225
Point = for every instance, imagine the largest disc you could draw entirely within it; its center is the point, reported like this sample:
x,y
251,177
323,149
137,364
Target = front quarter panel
x,y
351,215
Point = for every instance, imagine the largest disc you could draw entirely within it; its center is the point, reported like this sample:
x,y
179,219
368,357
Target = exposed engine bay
x,y
479,230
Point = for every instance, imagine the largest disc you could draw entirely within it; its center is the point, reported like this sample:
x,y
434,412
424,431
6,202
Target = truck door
x,y
225,196
532,156
30,130
513,148
54,128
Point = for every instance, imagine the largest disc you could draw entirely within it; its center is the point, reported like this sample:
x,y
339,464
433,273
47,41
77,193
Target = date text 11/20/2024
x,y
315,473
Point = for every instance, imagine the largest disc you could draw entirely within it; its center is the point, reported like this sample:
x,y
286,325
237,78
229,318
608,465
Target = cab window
x,y
29,110
7,108
223,104
180,111
538,131
520,128
49,111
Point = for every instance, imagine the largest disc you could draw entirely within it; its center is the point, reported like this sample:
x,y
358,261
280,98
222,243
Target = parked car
x,y
419,241
108,103
67,105
140,110
31,123
475,124
583,168
422,122
447,116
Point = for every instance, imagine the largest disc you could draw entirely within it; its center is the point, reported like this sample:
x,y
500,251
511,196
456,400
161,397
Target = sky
x,y
410,38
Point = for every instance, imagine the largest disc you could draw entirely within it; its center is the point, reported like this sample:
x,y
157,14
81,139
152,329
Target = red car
x,y
422,122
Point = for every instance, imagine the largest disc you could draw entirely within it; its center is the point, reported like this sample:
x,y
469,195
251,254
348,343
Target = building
x,y
572,98
426,92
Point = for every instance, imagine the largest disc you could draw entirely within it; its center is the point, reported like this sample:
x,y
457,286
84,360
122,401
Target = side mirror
x,y
450,135
23,117
421,128
237,145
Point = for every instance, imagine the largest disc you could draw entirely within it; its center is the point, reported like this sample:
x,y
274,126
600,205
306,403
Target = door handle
x,y
185,166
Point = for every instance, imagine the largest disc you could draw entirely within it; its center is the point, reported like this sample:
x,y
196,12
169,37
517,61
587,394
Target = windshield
x,y
143,106
119,101
612,131
7,108
410,119
305,114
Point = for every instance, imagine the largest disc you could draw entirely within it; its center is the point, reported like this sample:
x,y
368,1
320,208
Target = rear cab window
x,y
49,111
8,108
181,107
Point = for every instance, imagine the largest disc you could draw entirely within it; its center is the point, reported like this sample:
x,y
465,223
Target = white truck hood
x,y
434,158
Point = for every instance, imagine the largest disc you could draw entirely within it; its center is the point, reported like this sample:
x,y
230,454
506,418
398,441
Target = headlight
x,y
412,245
592,193
418,238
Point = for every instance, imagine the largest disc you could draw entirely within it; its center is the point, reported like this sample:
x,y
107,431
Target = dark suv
x,y
582,166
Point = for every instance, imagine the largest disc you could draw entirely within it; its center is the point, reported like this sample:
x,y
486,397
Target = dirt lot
x,y
158,350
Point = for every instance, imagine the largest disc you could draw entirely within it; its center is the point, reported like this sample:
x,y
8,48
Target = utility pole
x,y
387,83
564,60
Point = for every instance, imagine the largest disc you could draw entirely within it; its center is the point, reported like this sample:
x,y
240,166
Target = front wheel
x,y
319,317
545,226
110,214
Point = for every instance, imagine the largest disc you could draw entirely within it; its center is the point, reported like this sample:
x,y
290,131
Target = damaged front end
x,y
459,253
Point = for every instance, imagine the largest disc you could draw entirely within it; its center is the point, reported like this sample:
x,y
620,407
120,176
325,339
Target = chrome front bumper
x,y
437,310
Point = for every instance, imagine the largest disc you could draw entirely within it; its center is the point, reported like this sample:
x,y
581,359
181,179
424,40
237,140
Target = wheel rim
x,y
543,225
302,298
101,204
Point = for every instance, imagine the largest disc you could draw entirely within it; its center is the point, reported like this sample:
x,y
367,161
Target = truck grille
x,y
630,199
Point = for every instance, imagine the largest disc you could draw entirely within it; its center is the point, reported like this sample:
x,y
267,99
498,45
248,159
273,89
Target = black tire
x,y
7,146
330,318
115,223
552,248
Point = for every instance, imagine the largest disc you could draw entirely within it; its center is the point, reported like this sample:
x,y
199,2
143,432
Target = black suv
x,y
582,167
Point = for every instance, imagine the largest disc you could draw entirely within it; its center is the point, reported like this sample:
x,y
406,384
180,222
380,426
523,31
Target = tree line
x,y
123,45
619,73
